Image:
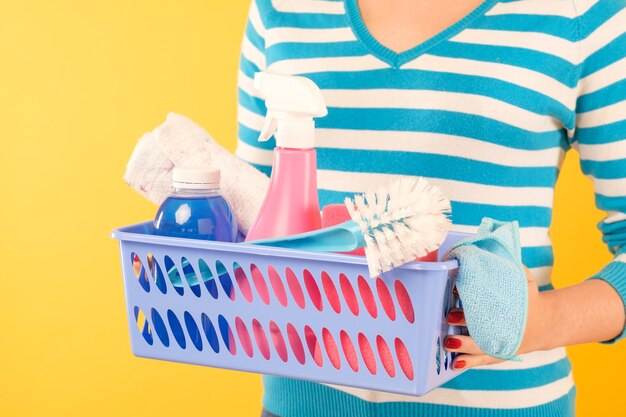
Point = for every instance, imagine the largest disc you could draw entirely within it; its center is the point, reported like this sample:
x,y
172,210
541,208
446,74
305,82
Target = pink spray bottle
x,y
291,204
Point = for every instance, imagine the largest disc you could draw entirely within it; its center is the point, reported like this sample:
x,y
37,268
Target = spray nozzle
x,y
291,102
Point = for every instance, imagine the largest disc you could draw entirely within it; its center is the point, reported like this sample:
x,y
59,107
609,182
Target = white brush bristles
x,y
401,221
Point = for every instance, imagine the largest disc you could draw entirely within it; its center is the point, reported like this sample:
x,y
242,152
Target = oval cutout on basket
x,y
279,341
142,325
210,333
261,339
438,356
404,359
244,336
314,346
160,328
295,287
348,294
225,280
193,331
140,272
295,343
260,284
157,274
367,353
207,277
348,350
404,301
277,285
331,292
367,296
174,275
384,353
385,299
331,348
227,334
242,282
177,329
312,289
190,276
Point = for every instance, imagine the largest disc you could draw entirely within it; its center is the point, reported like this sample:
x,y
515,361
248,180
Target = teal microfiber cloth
x,y
493,288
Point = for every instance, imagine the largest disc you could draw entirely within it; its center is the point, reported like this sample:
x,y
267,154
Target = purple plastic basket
x,y
288,312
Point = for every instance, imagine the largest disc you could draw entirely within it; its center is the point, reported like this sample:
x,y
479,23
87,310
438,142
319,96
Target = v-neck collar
x,y
395,59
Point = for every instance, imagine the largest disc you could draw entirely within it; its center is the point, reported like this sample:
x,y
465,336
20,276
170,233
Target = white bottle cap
x,y
196,178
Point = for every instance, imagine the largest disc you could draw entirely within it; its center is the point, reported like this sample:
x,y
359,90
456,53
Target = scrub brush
x,y
395,223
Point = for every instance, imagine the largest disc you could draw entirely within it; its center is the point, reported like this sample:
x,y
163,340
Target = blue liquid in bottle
x,y
196,210
206,216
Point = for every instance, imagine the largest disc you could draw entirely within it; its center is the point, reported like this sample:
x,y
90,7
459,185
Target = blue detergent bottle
x,y
196,209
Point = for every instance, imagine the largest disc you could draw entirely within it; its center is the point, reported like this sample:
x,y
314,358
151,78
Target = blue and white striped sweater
x,y
486,109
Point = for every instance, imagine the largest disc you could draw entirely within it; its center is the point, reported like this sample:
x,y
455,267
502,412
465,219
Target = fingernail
x,y
459,364
455,291
452,343
455,316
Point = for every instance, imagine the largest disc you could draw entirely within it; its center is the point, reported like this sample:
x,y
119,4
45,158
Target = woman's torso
x,y
481,109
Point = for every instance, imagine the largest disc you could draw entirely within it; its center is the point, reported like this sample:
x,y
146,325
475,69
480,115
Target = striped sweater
x,y
485,109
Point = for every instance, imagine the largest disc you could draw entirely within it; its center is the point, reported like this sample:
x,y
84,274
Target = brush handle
x,y
344,237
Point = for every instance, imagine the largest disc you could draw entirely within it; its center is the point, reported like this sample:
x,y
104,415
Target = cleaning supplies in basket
x,y
382,334
493,287
181,142
291,204
334,214
196,208
396,223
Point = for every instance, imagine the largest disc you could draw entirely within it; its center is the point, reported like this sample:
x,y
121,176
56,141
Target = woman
x,y
483,97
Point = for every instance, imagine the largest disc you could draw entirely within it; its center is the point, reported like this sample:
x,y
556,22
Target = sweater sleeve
x,y
251,108
600,133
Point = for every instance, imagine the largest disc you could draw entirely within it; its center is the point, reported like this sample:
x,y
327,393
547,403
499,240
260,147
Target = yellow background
x,y
80,81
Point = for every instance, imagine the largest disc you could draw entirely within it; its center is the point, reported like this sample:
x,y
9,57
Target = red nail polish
x,y
455,316
459,364
452,343
455,291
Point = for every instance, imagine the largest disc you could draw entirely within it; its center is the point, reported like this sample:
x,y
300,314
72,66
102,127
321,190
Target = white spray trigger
x,y
269,127
292,102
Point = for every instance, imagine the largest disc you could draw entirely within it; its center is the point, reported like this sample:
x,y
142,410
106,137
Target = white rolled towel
x,y
181,142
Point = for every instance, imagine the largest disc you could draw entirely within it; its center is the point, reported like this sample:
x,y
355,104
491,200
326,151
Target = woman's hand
x,y
471,355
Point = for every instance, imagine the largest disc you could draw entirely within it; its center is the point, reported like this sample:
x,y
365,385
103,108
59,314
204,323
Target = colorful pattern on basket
x,y
299,314
487,110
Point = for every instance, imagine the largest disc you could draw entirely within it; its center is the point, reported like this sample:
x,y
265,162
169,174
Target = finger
x,y
462,344
456,317
529,275
455,292
462,362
